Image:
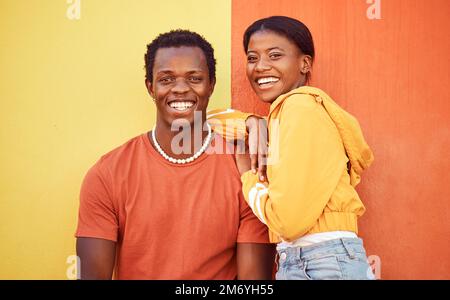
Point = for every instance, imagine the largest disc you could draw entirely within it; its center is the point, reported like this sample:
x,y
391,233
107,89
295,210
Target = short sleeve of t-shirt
x,y
251,229
97,217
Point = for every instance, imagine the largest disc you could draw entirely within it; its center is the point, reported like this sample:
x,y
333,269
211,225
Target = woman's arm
x,y
235,125
304,171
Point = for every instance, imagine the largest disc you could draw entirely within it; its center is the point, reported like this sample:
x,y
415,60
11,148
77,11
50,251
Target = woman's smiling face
x,y
275,65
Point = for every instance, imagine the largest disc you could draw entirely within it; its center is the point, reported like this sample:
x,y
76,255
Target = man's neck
x,y
182,143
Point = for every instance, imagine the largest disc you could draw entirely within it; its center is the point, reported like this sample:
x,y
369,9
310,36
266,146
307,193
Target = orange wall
x,y
393,75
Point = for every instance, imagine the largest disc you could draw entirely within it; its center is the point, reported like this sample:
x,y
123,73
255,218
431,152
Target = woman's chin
x,y
267,97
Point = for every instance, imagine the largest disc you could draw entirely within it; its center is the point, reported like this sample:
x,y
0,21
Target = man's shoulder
x,y
121,153
221,146
223,152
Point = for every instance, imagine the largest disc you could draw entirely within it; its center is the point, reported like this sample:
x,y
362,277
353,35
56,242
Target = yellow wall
x,y
71,90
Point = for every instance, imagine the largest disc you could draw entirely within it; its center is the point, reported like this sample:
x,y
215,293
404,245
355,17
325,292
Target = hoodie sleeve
x,y
304,171
229,123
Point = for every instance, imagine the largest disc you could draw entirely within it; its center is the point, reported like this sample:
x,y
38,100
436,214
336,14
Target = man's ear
x,y
305,64
149,86
212,85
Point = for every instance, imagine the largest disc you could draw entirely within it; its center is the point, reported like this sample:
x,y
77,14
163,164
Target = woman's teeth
x,y
181,105
266,80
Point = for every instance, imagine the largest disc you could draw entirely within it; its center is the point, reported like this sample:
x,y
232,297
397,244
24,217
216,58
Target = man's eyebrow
x,y
164,72
195,71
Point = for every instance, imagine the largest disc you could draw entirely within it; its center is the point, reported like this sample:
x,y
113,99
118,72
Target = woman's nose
x,y
262,65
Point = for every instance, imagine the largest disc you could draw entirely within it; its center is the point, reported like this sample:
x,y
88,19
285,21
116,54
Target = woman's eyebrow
x,y
267,50
273,48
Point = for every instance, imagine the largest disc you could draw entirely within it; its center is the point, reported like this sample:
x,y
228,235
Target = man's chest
x,y
178,205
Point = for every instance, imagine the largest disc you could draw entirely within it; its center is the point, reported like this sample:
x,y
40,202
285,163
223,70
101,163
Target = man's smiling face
x,y
180,84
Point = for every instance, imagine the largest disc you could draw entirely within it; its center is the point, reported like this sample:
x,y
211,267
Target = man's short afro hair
x,y
179,38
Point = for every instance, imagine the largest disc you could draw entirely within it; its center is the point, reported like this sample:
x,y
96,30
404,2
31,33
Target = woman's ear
x,y
305,64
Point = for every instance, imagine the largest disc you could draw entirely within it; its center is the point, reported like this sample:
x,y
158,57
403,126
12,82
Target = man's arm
x,y
97,258
255,261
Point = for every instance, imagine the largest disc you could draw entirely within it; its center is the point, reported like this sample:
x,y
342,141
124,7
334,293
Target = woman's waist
x,y
314,238
328,222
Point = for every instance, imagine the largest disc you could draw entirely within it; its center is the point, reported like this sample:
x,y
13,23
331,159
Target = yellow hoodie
x,y
316,155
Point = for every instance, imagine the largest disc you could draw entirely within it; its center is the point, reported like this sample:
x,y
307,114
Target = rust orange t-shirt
x,y
169,221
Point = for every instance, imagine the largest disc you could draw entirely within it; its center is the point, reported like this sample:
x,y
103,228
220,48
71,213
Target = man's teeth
x,y
181,105
267,80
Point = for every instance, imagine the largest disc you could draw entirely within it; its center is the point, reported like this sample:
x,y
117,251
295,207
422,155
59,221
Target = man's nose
x,y
180,86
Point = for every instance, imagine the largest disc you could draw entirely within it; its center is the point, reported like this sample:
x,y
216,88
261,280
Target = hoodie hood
x,y
359,154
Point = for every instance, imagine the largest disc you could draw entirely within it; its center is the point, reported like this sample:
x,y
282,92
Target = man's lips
x,y
181,105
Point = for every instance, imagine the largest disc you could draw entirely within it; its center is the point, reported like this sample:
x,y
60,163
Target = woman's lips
x,y
265,83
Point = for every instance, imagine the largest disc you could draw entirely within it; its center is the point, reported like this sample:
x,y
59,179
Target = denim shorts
x,y
339,259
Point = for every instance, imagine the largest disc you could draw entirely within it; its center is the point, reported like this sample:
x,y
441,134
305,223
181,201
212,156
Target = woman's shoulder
x,y
298,103
302,97
305,105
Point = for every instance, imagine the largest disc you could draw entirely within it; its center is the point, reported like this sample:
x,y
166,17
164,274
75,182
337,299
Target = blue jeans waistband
x,y
332,247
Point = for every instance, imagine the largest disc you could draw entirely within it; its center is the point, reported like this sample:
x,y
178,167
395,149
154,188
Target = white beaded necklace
x,y
186,160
